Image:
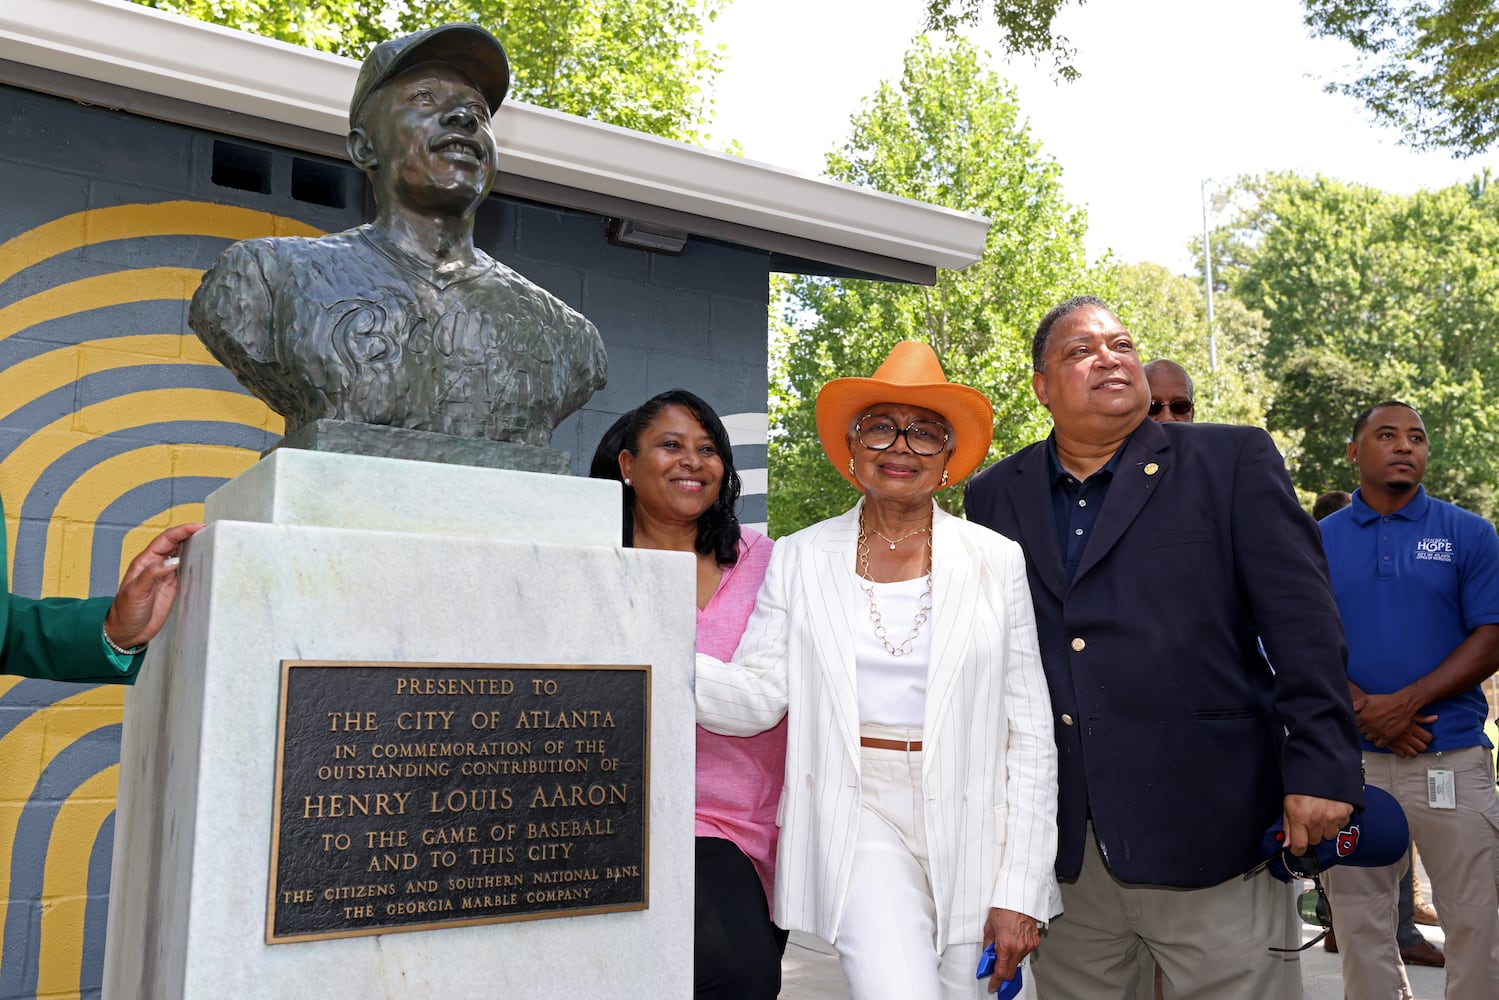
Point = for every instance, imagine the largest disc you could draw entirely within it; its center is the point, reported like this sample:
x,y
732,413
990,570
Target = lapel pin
x,y
1152,469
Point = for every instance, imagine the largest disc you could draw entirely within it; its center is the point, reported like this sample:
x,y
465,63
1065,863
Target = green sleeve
x,y
61,639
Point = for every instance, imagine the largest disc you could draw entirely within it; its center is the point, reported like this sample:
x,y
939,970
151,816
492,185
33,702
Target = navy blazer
x,y
1175,735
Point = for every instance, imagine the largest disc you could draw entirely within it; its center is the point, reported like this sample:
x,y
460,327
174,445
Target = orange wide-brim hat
x,y
911,376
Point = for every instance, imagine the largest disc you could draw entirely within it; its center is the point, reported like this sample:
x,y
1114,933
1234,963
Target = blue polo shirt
x,y
1411,586
1075,505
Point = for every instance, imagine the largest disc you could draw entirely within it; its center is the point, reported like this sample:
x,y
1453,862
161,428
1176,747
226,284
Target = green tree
x,y
1168,316
1025,25
639,64
1371,295
1429,69
949,132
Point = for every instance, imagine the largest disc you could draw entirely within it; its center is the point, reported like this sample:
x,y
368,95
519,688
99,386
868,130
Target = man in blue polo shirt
x,y
1417,582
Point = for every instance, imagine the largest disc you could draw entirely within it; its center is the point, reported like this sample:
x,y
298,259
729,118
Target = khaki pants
x,y
1211,944
1460,849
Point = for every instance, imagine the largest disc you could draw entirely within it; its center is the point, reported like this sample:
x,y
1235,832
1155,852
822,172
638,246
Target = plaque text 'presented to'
x,y
413,796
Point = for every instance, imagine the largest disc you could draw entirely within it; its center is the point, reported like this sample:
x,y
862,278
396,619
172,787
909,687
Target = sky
x,y
1173,92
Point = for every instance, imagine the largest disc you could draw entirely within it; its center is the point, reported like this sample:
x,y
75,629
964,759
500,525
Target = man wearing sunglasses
x,y
1170,392
1178,745
1417,581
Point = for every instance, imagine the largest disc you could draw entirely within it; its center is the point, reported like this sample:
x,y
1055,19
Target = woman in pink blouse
x,y
673,456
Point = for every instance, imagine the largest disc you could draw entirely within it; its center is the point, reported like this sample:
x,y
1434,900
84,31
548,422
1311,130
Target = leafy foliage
x,y
1429,68
948,132
1026,27
1370,295
639,64
1167,314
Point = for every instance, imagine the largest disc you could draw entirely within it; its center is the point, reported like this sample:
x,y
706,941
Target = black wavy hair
x,y
718,527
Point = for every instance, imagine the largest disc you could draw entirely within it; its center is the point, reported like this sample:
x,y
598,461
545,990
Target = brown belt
x,y
878,744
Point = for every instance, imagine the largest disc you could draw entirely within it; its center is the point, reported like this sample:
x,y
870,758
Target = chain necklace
x,y
896,541
866,583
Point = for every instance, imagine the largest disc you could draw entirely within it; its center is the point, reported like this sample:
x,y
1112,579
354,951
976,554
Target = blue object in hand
x,y
1010,987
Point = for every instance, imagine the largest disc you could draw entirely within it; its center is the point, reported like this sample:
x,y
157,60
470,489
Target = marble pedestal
x,y
315,556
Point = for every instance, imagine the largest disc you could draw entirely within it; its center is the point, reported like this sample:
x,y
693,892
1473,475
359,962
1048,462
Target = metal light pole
x,y
1207,276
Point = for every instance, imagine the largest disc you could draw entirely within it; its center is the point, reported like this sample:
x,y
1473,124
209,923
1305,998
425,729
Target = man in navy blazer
x,y
1160,557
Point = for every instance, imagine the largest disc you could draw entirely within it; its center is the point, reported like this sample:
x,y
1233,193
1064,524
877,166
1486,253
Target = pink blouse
x,y
739,778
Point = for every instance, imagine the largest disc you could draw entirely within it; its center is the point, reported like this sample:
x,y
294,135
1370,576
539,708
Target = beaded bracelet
x,y
132,651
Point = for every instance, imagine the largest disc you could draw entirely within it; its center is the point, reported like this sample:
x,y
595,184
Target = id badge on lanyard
x,y
1441,786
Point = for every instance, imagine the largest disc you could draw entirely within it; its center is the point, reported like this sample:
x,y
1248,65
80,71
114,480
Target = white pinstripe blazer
x,y
989,764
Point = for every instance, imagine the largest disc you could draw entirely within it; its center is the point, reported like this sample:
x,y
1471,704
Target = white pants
x,y
888,932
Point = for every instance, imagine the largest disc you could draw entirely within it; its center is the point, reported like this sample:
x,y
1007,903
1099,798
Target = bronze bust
x,y
403,322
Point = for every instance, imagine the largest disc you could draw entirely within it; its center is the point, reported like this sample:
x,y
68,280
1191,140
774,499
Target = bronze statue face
x,y
429,132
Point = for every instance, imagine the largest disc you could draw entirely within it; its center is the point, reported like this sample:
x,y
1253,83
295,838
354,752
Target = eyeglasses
x,y
1180,407
923,437
1312,905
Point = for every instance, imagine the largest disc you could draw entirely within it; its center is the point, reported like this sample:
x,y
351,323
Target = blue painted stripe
x,y
96,911
98,387
128,319
41,497
189,250
132,508
32,693
81,760
40,503
750,456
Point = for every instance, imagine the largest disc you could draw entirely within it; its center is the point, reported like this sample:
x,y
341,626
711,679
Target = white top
x,y
989,759
892,689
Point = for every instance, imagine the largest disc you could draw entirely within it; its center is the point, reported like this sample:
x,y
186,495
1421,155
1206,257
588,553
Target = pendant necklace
x,y
866,583
896,541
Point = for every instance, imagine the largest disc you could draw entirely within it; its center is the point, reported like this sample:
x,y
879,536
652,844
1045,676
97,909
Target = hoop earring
x,y
944,479
851,466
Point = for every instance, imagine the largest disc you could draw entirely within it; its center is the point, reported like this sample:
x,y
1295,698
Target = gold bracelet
x,y
132,651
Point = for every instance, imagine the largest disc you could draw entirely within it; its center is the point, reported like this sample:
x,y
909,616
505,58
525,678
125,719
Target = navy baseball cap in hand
x,y
1375,836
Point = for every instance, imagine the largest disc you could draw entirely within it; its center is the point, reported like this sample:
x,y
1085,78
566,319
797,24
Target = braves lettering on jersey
x,y
350,327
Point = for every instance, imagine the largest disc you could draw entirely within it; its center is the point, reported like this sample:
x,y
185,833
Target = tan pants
x,y
1460,849
1212,944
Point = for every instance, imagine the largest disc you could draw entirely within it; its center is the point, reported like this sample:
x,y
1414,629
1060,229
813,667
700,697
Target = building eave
x,y
124,45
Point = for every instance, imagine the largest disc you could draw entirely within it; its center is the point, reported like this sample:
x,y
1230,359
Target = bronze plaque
x,y
411,796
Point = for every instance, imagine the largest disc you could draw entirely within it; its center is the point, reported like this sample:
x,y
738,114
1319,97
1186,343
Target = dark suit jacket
x,y
1173,731
56,638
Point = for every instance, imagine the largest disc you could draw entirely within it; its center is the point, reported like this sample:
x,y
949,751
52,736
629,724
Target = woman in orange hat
x,y
918,817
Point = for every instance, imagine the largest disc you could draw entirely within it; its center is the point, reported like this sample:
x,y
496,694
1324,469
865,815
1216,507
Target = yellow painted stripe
x,y
139,537
65,881
86,294
69,552
21,468
27,752
123,222
33,378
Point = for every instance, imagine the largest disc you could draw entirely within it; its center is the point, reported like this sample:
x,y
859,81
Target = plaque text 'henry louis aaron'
x,y
413,796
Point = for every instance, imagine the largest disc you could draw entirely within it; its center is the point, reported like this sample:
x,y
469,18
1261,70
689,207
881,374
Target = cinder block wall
x,y
114,422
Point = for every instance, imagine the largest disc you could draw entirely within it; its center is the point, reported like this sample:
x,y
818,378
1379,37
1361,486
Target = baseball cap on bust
x,y
467,47
1374,836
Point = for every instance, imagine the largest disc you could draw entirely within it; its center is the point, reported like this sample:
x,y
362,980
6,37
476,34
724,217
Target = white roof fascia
x,y
126,45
